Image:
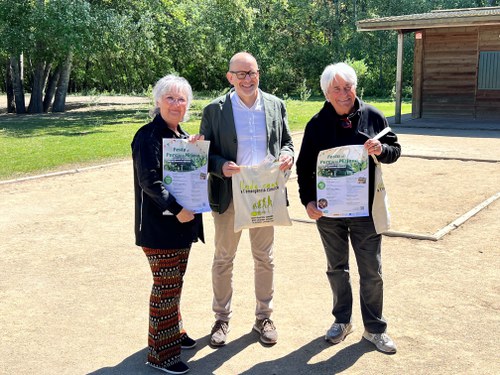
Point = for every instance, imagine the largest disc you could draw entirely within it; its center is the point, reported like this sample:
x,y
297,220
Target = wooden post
x,y
399,78
416,108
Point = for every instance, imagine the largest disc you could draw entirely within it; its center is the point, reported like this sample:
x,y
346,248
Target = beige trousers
x,y
226,243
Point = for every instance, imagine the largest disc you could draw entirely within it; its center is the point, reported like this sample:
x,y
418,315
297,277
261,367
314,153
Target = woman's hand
x,y
374,147
185,216
286,162
312,211
196,137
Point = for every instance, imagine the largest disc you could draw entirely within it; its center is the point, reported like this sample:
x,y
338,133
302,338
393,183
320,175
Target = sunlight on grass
x,y
33,144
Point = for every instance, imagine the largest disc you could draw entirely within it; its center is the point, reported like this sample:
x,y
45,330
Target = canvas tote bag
x,y
380,208
259,197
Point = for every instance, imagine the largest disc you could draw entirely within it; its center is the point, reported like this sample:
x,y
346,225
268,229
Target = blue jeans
x,y
335,234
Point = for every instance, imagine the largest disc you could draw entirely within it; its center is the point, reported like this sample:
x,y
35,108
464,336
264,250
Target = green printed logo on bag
x,y
262,206
380,187
259,197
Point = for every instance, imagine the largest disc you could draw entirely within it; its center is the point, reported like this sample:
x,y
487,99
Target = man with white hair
x,y
346,120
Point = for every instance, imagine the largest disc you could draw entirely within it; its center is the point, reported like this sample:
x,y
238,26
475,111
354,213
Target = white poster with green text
x,y
342,181
185,171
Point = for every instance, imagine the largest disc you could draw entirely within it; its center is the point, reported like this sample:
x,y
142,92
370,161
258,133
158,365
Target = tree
x,y
121,46
13,27
47,33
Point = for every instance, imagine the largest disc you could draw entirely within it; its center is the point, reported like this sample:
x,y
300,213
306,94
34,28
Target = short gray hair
x,y
170,83
342,70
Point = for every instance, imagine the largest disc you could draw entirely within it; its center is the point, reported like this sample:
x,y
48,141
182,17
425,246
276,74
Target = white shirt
x,y
251,130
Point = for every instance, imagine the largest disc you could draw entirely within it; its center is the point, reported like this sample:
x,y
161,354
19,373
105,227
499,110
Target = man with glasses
x,y
242,126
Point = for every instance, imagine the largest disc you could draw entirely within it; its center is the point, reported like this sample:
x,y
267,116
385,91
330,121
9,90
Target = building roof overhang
x,y
435,19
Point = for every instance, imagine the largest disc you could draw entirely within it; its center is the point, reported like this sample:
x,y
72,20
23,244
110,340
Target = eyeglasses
x,y
240,74
345,122
172,100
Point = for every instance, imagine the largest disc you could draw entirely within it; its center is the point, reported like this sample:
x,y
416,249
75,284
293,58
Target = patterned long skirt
x,y
165,322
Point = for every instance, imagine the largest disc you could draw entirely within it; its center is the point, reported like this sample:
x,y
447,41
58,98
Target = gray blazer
x,y
217,125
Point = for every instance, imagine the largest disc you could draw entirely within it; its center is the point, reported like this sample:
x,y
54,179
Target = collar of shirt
x,y
166,132
257,105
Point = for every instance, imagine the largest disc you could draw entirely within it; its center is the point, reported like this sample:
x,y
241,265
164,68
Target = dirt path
x,y
76,103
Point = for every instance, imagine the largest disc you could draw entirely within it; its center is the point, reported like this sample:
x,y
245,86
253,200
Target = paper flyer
x,y
185,172
342,181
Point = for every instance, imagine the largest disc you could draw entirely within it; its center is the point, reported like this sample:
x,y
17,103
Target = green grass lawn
x,y
33,144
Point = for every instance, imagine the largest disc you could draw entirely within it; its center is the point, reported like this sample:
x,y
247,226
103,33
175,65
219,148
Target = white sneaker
x,y
338,332
267,331
382,341
218,336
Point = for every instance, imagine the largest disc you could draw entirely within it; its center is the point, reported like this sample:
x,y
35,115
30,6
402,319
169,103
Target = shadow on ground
x,y
297,362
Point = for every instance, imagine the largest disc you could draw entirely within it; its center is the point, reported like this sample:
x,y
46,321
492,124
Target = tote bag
x,y
380,207
259,197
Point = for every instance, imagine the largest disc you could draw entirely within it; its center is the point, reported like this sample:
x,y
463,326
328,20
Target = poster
x,y
185,172
342,181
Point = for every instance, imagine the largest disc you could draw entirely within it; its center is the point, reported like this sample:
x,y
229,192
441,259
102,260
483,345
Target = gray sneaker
x,y
382,341
218,336
338,332
267,331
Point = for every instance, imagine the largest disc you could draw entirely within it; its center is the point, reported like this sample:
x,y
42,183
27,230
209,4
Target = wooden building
x,y
456,69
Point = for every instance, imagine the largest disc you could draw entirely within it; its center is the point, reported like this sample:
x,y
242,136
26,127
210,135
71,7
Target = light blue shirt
x,y
251,130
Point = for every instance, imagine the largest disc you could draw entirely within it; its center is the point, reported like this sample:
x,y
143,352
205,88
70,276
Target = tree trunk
x,y
62,85
17,84
46,73
36,101
51,88
9,88
86,76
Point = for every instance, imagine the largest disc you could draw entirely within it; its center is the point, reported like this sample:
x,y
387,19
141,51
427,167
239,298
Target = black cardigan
x,y
324,131
153,229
